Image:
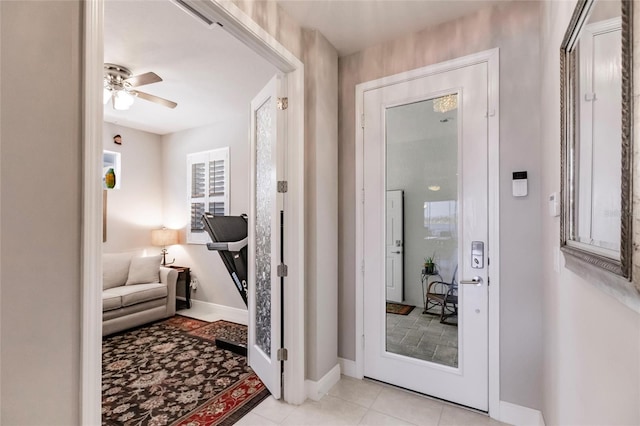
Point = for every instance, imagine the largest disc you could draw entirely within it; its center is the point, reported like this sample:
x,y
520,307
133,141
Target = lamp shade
x,y
164,237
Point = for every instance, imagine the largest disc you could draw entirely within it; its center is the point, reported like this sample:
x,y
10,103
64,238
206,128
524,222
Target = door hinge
x,y
283,186
283,103
362,266
282,354
362,121
362,195
283,270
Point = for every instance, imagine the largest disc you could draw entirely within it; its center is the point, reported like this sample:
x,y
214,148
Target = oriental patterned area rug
x,y
171,373
399,308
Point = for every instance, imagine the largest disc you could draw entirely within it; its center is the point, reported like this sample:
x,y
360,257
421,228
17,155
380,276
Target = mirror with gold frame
x,y
596,122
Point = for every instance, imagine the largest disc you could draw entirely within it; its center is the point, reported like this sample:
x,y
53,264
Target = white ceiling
x,y
351,25
210,74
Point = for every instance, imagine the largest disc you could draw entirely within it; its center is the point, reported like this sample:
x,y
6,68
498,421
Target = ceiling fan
x,y
119,86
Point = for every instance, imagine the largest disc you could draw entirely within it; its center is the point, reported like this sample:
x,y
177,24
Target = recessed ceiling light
x,y
434,188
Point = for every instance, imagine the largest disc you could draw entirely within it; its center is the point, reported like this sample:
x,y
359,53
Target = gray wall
x,y
40,175
319,58
591,340
514,28
321,204
135,208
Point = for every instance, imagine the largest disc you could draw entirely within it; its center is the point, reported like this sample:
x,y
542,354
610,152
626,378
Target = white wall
x,y
41,187
135,208
215,284
591,370
514,28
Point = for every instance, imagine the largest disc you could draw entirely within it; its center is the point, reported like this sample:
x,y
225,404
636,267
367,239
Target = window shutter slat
x,y
216,208
197,210
198,183
216,177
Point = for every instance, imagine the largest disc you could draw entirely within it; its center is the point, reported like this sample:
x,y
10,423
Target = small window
x,y
208,188
111,176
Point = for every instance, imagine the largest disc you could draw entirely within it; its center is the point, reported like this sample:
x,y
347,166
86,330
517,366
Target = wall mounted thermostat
x,y
519,184
477,254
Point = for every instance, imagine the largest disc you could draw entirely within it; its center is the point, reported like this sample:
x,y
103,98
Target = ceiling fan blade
x,y
156,99
142,79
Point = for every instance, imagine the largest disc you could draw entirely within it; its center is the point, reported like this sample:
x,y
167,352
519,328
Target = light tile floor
x,y
364,402
422,336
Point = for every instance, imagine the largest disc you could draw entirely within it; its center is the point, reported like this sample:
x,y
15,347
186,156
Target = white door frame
x,y
249,32
492,59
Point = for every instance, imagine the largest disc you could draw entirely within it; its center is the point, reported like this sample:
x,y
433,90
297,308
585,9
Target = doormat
x,y
399,308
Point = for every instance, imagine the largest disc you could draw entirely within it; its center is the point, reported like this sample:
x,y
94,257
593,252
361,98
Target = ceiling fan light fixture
x,y
122,100
106,95
120,86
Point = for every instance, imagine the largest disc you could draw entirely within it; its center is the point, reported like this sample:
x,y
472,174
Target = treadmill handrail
x,y
233,246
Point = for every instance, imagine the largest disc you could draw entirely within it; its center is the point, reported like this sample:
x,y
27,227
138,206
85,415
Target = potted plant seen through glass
x,y
430,265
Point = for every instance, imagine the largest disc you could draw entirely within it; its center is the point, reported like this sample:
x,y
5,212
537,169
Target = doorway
x,y
431,133
247,31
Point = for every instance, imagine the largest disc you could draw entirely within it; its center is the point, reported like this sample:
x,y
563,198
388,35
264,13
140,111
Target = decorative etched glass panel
x,y
264,194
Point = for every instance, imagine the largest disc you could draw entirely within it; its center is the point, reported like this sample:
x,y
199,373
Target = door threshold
x,y
424,395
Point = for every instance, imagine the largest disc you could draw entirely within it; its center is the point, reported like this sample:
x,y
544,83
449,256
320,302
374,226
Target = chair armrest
x,y
442,286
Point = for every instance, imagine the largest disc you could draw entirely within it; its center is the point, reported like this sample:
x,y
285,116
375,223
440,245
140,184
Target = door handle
x,y
475,280
396,252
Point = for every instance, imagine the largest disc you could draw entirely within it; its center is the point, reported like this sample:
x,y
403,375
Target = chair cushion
x,y
110,301
144,270
115,269
138,293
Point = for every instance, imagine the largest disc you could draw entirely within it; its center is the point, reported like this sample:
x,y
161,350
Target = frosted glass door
x,y
264,296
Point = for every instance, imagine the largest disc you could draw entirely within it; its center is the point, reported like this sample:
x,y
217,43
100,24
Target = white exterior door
x,y
395,260
266,212
430,134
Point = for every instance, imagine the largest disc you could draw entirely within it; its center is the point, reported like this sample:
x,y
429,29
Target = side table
x,y
184,274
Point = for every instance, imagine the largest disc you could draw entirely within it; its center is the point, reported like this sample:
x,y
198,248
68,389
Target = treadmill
x,y
230,238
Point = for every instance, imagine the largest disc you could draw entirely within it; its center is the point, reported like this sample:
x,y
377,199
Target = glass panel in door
x,y
264,296
264,194
422,164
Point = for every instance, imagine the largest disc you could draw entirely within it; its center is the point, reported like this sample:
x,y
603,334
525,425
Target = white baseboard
x,y
316,390
207,311
348,368
519,416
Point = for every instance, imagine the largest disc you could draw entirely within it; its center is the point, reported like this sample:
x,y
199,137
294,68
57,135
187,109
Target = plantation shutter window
x,y
208,188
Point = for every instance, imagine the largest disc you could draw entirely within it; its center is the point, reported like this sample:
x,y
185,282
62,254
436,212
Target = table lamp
x,y
162,238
